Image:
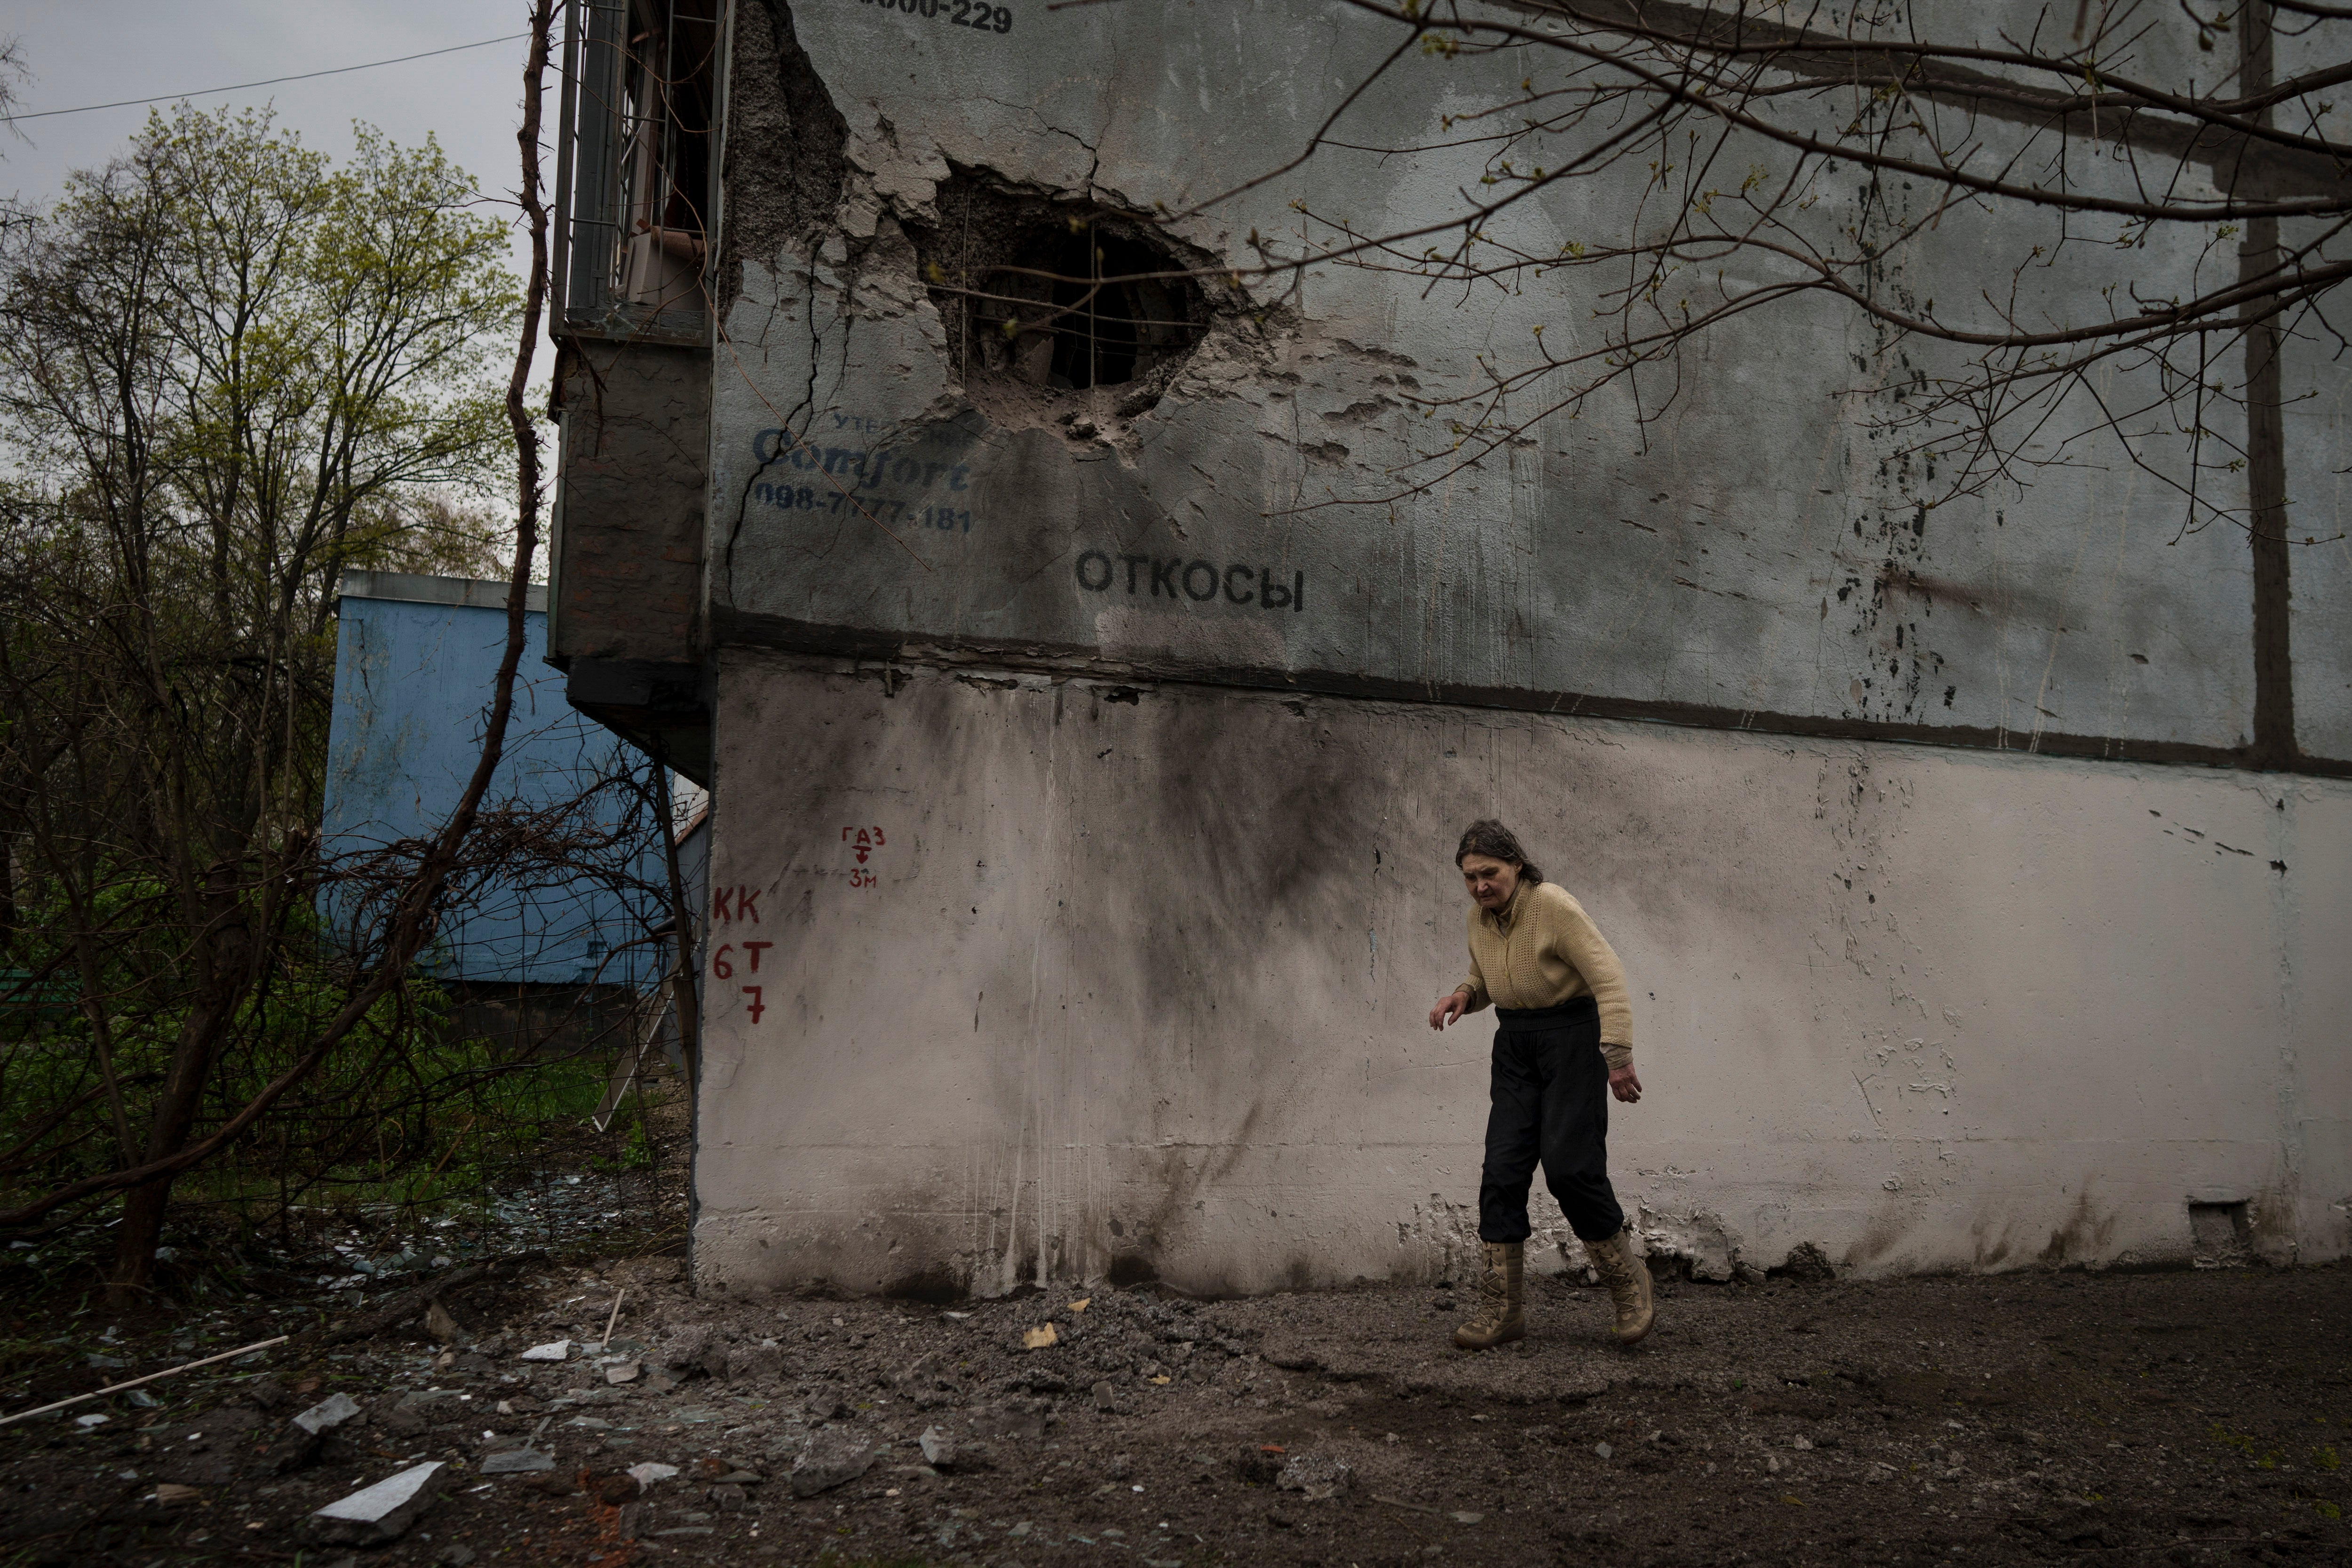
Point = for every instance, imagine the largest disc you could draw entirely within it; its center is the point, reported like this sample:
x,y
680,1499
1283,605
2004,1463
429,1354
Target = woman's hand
x,y
1624,1085
1448,1010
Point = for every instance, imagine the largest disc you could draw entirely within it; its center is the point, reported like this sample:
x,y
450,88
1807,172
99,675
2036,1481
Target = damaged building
x,y
1089,713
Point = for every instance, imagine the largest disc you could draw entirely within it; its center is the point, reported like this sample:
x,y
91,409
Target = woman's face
x,y
1491,881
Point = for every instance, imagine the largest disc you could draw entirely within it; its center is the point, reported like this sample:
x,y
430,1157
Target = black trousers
x,y
1549,1103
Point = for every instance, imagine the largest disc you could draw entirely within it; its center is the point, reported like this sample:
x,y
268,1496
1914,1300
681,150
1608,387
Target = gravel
x,y
2020,1418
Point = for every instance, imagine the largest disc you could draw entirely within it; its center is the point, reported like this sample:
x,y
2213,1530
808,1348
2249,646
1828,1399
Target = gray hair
x,y
1489,838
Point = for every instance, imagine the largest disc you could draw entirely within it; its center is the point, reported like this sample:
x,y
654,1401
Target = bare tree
x,y
231,374
2088,239
1732,119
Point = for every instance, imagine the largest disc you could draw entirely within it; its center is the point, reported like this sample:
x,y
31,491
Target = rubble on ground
x,y
380,1514
1340,1426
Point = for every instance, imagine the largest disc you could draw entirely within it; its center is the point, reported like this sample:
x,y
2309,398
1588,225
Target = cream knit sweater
x,y
1540,950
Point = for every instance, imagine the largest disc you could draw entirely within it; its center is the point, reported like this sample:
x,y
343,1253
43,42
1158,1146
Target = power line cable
x,y
273,82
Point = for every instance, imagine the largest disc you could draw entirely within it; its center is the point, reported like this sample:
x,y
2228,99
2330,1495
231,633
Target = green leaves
x,y
229,370
310,337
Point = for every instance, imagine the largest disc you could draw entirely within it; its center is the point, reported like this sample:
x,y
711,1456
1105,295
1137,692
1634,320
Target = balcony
x,y
634,170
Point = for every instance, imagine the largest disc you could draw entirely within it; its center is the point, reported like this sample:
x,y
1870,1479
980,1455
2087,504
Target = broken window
x,y
1052,303
1082,312
633,166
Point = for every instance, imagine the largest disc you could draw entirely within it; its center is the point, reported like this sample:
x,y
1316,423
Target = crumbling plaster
x,y
1067,979
1756,552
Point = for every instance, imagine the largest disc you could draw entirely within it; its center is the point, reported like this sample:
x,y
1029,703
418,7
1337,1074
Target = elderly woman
x,y
1565,1028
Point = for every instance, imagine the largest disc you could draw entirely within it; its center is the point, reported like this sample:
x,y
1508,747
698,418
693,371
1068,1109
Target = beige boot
x,y
1502,1314
1628,1278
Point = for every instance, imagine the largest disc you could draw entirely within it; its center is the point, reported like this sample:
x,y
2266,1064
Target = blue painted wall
x,y
413,683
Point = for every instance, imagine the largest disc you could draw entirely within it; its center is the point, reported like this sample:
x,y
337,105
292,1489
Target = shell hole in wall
x,y
1067,314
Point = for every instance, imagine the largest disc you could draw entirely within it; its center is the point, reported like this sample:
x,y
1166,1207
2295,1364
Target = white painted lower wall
x,y
1134,982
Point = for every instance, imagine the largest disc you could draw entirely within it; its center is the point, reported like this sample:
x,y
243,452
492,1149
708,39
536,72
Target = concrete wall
x,y
1171,710
2319,487
1758,555
626,554
415,658
1134,982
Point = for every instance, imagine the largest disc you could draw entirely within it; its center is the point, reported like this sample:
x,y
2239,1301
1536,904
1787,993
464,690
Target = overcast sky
x,y
96,51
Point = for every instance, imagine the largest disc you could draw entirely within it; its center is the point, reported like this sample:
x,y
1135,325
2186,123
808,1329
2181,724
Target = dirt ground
x,y
2031,1417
